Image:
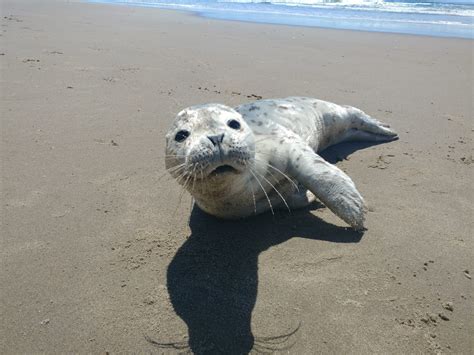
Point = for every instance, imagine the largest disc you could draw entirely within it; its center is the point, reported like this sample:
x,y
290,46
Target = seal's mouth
x,y
223,169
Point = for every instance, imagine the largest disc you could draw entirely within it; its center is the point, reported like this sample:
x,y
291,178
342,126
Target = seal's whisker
x,y
179,172
165,177
187,180
183,190
281,172
253,197
268,199
275,178
276,190
194,176
191,208
285,175
179,201
174,169
180,178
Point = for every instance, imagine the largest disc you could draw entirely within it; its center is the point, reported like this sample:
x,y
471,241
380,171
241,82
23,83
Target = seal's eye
x,y
234,124
181,136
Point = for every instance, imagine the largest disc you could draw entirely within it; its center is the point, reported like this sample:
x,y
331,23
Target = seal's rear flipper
x,y
365,128
330,185
355,134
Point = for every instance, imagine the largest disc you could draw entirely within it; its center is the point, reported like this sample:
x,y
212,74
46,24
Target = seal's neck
x,y
224,194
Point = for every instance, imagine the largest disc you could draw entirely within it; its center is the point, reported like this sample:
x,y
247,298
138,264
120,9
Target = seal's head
x,y
208,143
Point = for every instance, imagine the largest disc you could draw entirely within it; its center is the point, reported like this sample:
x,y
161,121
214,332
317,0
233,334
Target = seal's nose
x,y
217,139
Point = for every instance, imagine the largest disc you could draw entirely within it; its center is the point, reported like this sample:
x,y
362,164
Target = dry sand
x,y
98,252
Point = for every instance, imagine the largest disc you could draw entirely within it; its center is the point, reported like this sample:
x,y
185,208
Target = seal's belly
x,y
229,206
264,191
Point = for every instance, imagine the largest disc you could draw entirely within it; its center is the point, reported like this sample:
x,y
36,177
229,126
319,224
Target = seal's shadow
x,y
213,278
341,151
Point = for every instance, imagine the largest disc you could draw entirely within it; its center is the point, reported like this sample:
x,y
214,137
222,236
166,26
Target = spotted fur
x,y
271,160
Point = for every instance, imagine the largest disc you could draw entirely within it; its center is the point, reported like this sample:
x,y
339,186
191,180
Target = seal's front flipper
x,y
330,185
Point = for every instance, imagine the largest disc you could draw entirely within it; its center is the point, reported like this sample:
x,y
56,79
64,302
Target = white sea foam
x,y
308,2
422,7
360,18
372,5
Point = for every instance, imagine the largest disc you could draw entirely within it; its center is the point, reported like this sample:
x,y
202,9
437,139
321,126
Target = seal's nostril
x,y
217,139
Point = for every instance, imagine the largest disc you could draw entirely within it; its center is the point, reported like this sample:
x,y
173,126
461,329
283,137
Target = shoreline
x,y
99,249
198,15
211,14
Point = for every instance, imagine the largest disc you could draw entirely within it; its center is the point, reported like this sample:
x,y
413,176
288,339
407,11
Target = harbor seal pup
x,y
260,156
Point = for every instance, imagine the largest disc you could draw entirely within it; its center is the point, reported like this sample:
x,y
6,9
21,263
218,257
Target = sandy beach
x,y
100,252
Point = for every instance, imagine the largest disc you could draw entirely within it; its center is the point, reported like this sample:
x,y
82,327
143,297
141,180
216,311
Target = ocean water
x,y
450,18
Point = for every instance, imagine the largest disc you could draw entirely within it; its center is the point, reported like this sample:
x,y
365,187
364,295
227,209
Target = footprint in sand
x,y
382,162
